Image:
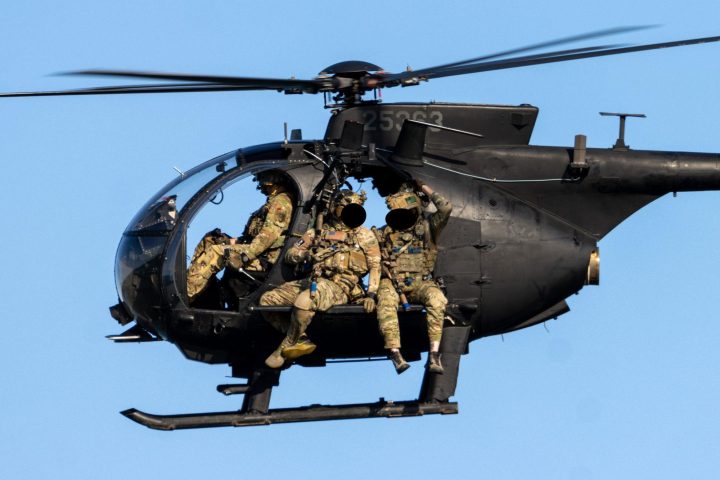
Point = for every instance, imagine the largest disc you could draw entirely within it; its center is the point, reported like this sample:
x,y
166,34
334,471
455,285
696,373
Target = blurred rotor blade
x,y
553,57
397,78
168,88
551,43
273,83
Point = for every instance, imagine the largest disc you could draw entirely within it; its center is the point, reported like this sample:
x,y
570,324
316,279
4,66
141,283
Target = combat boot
x,y
276,359
433,364
398,361
302,347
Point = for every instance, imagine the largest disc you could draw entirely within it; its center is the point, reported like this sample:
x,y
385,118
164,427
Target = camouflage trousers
x,y
297,294
209,258
425,292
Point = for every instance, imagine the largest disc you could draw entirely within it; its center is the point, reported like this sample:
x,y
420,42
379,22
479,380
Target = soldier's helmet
x,y
347,206
268,179
405,209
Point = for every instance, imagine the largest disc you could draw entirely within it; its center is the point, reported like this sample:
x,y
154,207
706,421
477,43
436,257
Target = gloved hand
x,y
423,187
368,303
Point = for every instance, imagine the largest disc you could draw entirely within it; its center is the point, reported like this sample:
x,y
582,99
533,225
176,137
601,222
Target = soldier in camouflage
x,y
409,250
340,253
260,244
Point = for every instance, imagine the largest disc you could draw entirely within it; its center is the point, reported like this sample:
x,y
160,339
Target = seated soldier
x,y
340,255
255,251
409,248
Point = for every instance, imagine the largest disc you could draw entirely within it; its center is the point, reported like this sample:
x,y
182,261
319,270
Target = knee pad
x,y
303,301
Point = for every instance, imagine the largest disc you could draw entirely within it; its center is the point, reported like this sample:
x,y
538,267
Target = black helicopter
x,y
522,237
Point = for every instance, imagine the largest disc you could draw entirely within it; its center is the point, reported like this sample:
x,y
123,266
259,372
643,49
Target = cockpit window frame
x,y
174,270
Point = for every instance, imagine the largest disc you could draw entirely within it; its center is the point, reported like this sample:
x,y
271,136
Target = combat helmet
x,y
347,206
268,178
405,208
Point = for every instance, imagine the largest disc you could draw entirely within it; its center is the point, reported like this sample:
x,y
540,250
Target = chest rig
x,y
254,225
409,254
338,252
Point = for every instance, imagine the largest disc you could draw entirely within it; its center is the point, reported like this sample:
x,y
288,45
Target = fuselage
x,y
523,231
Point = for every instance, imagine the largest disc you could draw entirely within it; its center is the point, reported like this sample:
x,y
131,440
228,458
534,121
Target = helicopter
x,y
522,238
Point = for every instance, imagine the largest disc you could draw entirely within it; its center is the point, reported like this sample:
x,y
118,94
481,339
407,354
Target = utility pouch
x,y
357,262
411,262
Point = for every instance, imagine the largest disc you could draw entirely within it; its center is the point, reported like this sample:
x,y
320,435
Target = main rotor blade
x,y
550,43
273,83
554,57
390,80
168,88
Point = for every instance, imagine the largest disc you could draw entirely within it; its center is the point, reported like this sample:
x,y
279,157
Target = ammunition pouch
x,y
357,262
411,263
255,223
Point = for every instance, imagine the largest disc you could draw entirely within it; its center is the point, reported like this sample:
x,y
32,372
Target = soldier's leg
x,y
387,317
327,294
294,344
285,294
430,295
387,303
207,260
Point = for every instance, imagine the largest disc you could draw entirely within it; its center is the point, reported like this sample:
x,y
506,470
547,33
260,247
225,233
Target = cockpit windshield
x,y
160,213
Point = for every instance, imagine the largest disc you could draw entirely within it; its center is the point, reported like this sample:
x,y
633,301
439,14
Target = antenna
x,y
620,143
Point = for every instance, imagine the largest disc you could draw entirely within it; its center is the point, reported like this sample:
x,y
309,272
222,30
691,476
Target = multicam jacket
x,y
265,231
342,255
410,255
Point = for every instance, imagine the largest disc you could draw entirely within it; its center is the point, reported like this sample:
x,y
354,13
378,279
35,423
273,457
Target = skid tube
x,y
312,413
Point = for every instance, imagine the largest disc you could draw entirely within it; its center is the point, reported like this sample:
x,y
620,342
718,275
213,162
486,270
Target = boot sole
x,y
402,368
297,351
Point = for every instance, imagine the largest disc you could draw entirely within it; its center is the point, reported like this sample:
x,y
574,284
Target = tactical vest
x,y
338,251
410,253
254,226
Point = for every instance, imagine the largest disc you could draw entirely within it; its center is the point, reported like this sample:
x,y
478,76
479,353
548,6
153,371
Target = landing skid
x,y
435,391
311,413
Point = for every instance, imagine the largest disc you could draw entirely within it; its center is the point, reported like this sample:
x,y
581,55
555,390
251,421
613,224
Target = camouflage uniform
x,y
408,258
264,237
340,257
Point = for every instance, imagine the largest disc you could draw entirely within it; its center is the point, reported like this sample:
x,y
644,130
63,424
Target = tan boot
x,y
298,344
275,360
433,364
303,347
398,361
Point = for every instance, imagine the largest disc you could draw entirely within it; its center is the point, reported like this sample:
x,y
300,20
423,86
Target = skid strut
x,y
290,415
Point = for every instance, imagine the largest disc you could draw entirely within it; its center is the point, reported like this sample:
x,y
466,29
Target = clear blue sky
x,y
623,386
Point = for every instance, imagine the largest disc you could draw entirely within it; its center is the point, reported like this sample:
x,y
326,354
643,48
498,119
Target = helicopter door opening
x,y
218,277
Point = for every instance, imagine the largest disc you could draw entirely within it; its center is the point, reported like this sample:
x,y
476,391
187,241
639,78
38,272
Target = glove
x,y
368,303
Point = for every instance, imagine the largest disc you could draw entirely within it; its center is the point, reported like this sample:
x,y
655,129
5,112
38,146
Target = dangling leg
x,y
298,344
387,299
435,302
285,294
295,344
